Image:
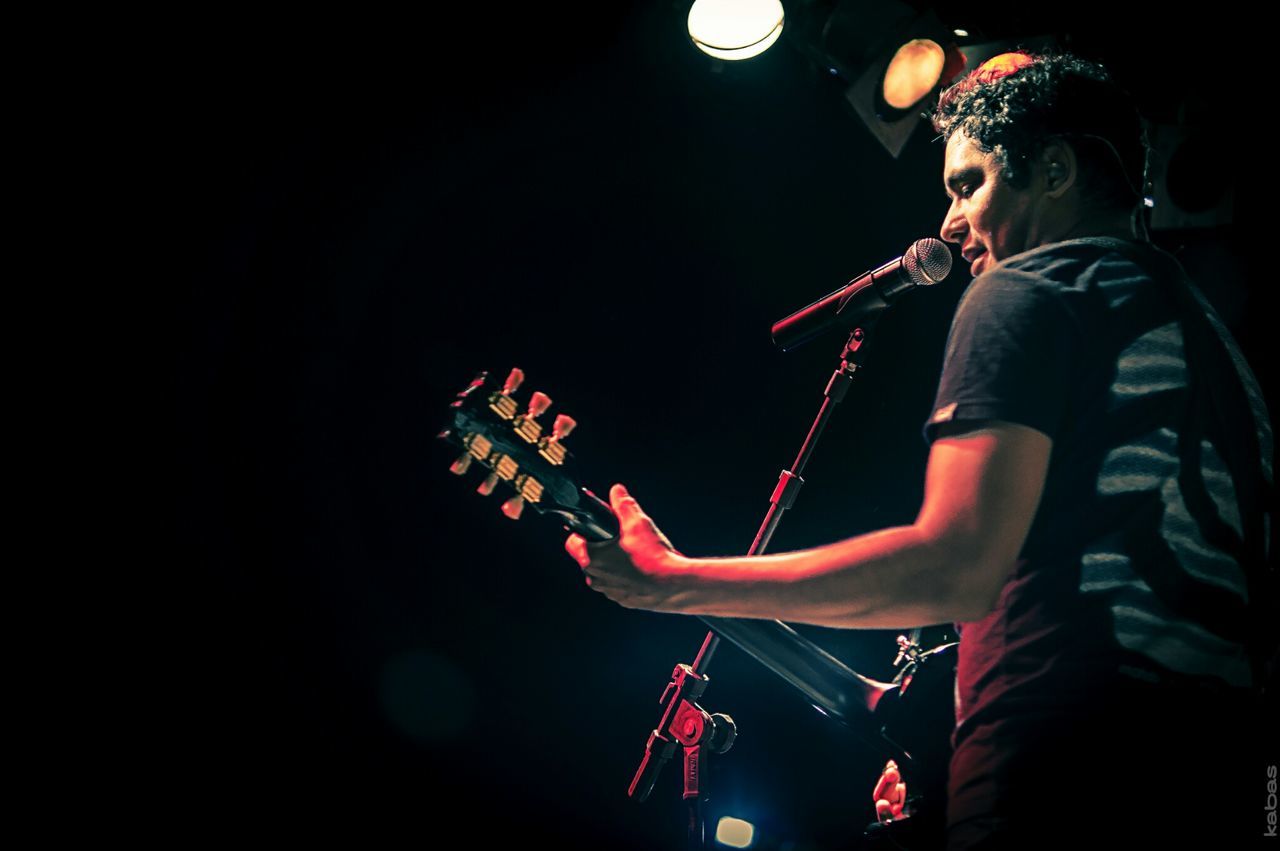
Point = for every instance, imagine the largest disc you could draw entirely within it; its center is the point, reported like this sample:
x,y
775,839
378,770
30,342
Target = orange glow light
x,y
913,72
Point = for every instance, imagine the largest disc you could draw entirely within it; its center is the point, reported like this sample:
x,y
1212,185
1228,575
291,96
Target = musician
x,y
1100,459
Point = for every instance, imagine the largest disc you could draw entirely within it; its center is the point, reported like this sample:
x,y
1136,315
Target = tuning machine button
x,y
550,448
525,424
513,507
562,426
463,464
513,382
538,404
487,486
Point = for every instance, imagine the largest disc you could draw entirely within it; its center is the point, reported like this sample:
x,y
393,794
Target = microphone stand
x,y
684,723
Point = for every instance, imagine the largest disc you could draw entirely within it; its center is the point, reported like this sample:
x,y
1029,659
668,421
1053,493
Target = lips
x,y
973,257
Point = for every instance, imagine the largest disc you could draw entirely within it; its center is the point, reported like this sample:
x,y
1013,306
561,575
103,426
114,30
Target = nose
x,y
954,226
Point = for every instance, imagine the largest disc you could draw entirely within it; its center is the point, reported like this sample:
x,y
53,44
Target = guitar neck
x,y
830,685
502,436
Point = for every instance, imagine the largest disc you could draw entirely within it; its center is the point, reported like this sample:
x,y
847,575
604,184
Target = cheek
x,y
999,234
987,233
986,220
1012,235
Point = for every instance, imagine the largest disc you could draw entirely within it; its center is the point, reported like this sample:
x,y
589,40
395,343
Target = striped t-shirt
x,y
1135,566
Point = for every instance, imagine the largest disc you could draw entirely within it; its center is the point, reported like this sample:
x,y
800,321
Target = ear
x,y
1060,166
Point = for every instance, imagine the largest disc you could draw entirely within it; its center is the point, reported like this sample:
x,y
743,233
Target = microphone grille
x,y
927,261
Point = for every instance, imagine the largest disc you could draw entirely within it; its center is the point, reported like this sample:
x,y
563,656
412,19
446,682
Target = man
x,y
1092,517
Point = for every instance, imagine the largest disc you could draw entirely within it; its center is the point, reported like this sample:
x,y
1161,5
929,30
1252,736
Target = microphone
x,y
924,264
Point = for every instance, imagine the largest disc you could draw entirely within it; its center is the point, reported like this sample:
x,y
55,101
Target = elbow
x,y
975,576
979,596
978,585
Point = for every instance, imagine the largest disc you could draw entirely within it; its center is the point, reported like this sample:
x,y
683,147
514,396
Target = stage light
x,y
891,56
735,29
912,73
961,33
735,833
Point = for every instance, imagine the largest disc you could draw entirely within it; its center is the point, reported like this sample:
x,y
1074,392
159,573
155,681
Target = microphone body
x,y
925,263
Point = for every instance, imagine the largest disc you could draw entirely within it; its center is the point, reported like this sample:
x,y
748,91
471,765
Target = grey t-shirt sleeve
x,y
1010,355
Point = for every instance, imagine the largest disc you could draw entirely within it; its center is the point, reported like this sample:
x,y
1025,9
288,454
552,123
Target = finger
x,y
632,517
623,503
889,778
576,546
629,512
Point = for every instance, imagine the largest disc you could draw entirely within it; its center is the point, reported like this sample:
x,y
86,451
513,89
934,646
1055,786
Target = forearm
x,y
894,578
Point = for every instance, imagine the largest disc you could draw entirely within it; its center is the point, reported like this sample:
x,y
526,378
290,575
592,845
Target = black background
x,y
367,212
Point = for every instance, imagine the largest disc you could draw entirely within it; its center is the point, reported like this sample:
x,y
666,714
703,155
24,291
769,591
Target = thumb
x,y
622,502
631,516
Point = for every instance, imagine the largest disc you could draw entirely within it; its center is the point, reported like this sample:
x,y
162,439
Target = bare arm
x,y
982,488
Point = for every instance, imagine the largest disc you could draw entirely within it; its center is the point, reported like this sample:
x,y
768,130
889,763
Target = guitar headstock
x,y
521,456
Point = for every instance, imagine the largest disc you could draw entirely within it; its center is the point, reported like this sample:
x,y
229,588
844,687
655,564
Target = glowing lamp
x,y
735,833
913,72
735,29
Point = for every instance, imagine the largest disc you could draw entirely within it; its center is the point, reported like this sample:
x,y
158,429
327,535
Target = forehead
x,y
963,154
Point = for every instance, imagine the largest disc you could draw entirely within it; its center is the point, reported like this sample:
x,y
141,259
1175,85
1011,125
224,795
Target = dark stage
x,y
368,213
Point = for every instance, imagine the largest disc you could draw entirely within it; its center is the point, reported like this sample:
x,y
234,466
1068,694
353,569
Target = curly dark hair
x,y
1016,103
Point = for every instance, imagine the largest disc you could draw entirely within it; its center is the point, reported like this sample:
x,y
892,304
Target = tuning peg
x,y
538,404
487,486
513,382
461,466
562,426
513,507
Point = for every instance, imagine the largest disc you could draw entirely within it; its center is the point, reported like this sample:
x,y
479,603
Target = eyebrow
x,y
964,175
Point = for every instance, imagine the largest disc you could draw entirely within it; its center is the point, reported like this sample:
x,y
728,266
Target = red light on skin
x,y
890,793
999,67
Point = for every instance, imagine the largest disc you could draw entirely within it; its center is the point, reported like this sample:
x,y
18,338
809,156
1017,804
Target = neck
x,y
1114,224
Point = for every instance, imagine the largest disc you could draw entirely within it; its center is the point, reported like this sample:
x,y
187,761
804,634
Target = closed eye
x,y
964,183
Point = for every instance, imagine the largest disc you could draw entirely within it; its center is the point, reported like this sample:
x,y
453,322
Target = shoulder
x,y
1010,296
1074,277
1077,266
